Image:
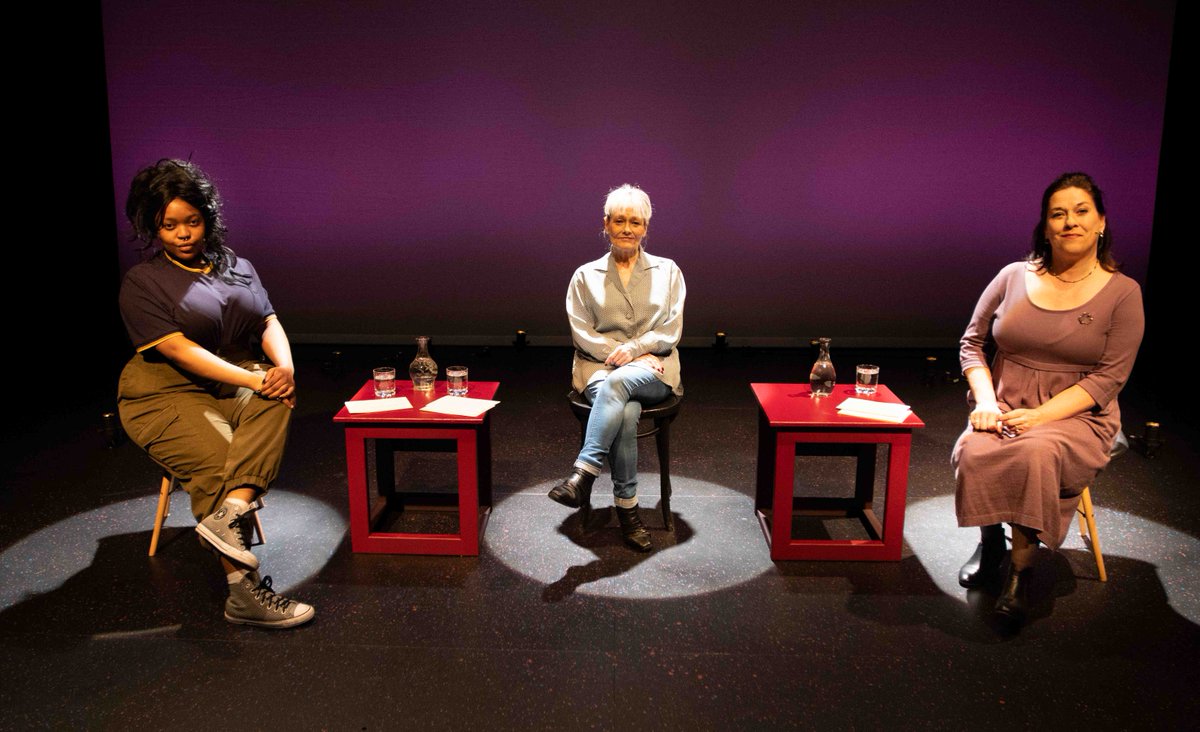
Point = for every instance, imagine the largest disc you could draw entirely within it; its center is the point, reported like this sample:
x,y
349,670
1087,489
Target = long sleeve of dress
x,y
970,353
1120,349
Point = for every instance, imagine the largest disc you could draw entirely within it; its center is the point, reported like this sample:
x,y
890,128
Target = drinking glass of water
x,y
456,380
385,382
866,378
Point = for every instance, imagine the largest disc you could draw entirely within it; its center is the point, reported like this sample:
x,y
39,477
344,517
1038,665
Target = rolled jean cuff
x,y
587,467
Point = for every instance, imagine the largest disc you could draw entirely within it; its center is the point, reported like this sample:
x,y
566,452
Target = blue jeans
x,y
612,428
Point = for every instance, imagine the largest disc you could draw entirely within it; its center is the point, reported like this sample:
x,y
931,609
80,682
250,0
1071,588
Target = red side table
x,y
790,423
472,440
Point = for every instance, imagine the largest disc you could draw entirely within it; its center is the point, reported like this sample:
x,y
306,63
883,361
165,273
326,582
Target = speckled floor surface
x,y
551,628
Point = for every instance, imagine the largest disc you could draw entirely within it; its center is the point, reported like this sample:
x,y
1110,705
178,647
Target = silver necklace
x,y
1081,279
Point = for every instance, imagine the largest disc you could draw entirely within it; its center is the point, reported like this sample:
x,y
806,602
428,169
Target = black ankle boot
x,y
1012,604
575,491
984,565
634,533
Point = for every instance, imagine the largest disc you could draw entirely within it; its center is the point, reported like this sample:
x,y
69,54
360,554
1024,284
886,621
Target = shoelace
x,y
239,526
239,530
269,598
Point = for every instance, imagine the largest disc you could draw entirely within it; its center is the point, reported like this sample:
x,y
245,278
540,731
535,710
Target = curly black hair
x,y
157,185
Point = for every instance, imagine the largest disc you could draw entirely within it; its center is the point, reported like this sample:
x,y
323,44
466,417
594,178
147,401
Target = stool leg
x,y
585,511
160,513
1086,514
585,515
262,539
662,441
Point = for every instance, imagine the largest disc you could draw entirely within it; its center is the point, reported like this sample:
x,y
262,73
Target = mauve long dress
x,y
1035,479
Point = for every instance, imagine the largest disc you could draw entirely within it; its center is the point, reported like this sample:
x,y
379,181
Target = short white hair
x,y
628,196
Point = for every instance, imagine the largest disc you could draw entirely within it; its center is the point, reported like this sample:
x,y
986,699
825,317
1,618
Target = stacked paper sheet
x,y
370,406
882,411
459,406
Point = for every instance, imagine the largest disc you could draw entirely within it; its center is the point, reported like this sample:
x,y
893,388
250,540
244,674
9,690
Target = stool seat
x,y
658,418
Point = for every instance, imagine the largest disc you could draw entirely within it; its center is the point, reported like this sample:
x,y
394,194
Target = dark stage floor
x,y
548,630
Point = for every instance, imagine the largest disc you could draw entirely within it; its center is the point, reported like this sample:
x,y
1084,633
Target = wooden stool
x,y
660,416
1087,519
1087,530
170,484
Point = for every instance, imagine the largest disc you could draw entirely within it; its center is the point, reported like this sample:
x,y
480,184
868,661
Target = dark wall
x,y
72,177
66,340
854,169
1174,255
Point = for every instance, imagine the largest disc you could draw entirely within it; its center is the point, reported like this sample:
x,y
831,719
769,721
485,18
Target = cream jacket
x,y
604,315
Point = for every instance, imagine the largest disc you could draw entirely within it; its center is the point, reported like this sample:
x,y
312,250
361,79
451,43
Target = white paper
x,y
369,406
867,409
459,406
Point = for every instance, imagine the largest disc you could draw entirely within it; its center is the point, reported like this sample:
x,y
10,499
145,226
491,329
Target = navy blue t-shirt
x,y
162,297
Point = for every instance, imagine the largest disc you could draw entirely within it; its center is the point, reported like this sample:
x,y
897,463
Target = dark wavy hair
x,y
157,185
1040,253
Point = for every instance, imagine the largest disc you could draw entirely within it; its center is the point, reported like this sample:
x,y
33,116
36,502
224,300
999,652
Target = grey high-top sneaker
x,y
253,602
226,529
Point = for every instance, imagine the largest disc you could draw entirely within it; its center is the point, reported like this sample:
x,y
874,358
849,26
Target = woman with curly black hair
x,y
197,396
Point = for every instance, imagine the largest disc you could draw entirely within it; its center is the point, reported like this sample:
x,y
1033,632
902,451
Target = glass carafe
x,y
423,370
823,376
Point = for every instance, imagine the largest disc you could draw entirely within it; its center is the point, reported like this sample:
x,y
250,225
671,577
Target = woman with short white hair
x,y
626,315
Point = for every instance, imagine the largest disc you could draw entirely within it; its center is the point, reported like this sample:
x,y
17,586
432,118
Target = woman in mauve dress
x,y
1066,325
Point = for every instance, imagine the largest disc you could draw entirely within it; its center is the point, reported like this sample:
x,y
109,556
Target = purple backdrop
x,y
854,169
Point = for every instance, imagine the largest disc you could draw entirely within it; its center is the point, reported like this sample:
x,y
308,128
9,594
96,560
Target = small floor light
x,y
110,427
1150,440
931,376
